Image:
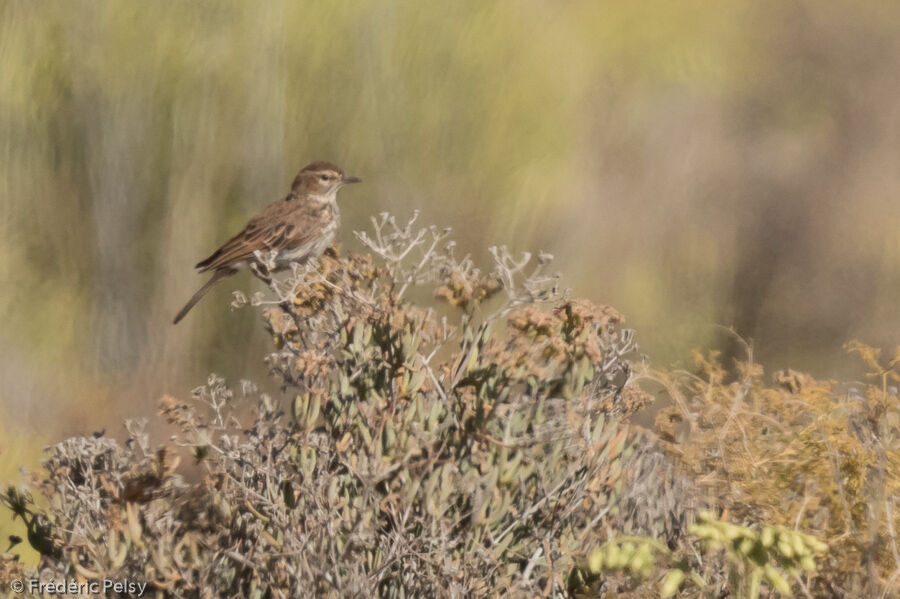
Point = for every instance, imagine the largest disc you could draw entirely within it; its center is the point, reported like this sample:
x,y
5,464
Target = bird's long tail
x,y
219,274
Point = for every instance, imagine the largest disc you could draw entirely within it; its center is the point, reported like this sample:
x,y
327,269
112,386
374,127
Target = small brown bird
x,y
299,227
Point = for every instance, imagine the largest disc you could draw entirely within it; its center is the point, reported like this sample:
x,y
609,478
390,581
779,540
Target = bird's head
x,y
321,179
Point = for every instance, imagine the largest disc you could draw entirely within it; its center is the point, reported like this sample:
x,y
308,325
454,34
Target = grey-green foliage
x,y
458,448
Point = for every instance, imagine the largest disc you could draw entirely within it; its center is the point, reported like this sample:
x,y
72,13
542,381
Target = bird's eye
x,y
323,177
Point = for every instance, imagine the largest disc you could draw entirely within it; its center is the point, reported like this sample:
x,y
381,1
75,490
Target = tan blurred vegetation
x,y
690,164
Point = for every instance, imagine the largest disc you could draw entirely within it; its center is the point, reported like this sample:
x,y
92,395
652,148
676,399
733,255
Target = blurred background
x,y
693,164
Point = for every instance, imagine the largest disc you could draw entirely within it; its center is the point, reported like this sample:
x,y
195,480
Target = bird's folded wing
x,y
259,236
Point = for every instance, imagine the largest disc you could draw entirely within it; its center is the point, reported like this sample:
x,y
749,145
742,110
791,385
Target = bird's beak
x,y
348,180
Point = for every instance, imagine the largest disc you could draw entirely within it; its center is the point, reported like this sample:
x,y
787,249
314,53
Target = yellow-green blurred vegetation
x,y
691,164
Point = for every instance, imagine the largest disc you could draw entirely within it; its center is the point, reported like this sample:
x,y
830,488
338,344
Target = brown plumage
x,y
299,227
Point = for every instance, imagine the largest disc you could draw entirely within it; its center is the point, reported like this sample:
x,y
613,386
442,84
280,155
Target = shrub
x,y
471,446
797,454
450,449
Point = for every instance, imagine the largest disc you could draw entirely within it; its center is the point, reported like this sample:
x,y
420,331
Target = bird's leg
x,y
261,272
